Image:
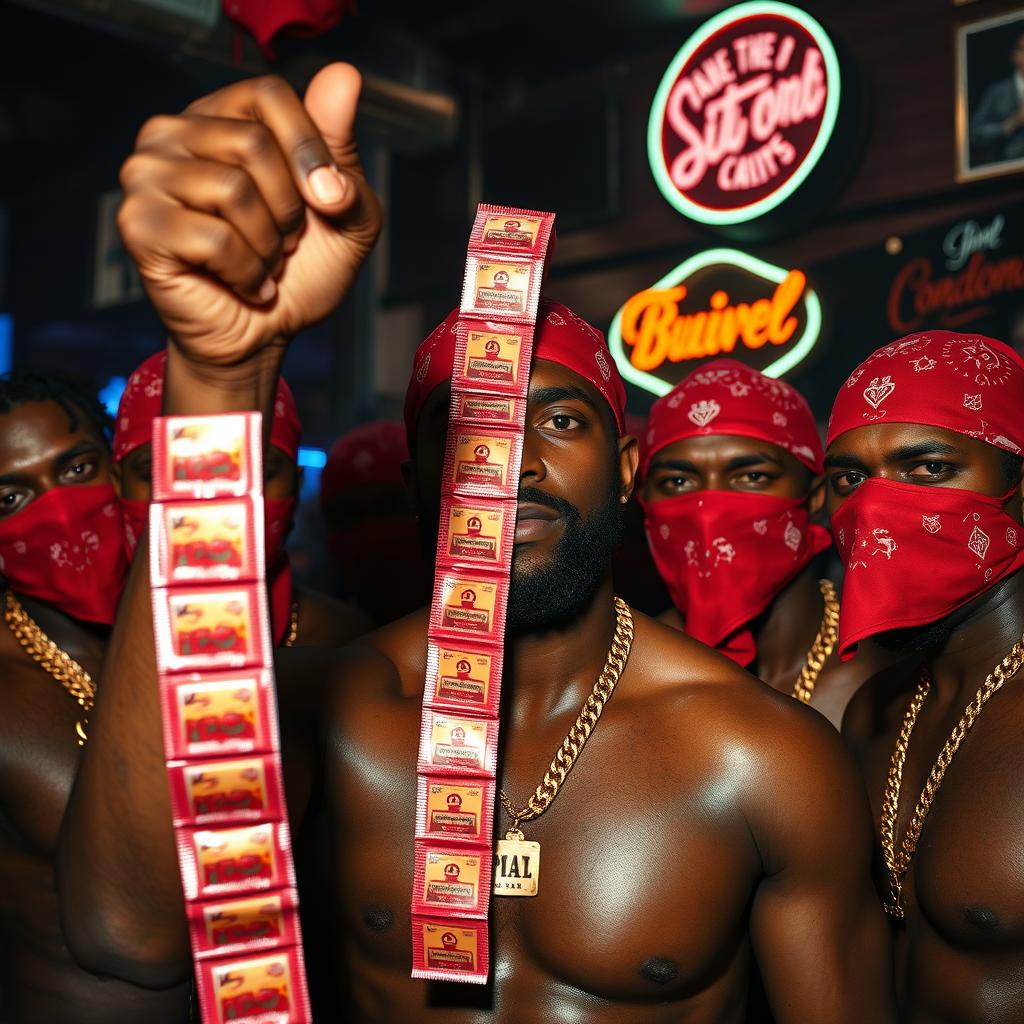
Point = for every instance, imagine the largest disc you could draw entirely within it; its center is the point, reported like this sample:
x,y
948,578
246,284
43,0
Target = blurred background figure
x,y
371,526
299,615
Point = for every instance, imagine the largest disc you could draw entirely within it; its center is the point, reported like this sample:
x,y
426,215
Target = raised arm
x,y
248,216
818,929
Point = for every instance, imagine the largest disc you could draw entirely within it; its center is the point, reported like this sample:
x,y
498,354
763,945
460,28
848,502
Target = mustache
x,y
538,497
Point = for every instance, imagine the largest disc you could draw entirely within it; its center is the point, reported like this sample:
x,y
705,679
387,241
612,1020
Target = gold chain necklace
x,y
899,862
45,653
824,644
293,626
517,862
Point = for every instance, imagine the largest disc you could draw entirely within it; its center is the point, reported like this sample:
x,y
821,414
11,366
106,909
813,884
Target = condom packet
x,y
469,603
206,541
502,229
458,745
245,924
265,988
236,860
202,628
476,532
482,461
463,677
450,879
450,950
491,357
228,792
454,809
207,456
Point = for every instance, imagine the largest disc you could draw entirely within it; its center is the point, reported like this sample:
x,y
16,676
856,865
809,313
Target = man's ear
x,y
816,497
629,461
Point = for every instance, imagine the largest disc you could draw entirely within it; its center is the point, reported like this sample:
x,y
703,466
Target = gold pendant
x,y
516,865
894,907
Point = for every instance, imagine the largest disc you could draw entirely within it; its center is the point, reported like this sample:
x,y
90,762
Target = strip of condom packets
x,y
215,663
453,865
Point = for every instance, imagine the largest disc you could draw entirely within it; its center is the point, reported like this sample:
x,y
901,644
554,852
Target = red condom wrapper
x,y
485,347
141,402
725,557
914,554
213,649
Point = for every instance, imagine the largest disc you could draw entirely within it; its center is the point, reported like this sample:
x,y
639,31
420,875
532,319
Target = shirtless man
x,y
63,563
923,470
299,616
709,818
732,478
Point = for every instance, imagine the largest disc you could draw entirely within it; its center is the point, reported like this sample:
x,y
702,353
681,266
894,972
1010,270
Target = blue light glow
x,y
110,394
312,458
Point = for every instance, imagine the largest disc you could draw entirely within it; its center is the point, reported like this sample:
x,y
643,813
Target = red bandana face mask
x,y
914,554
725,556
66,549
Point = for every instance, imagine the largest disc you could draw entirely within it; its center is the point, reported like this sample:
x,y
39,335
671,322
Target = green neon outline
x,y
791,358
704,215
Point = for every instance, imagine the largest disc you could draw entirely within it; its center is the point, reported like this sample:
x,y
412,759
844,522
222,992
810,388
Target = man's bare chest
x,y
639,876
966,876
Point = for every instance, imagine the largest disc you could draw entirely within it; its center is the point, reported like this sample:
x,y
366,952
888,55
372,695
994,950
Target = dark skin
x,y
960,951
785,631
40,979
750,848
323,621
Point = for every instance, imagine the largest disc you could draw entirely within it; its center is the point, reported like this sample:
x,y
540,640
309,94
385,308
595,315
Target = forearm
x,y
120,888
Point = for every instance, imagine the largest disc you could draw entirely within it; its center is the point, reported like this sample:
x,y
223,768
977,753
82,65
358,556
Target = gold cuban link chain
x,y
899,862
824,644
543,796
58,663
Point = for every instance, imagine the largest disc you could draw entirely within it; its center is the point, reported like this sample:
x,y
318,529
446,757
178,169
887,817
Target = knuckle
x,y
255,142
271,85
155,130
290,214
216,236
235,186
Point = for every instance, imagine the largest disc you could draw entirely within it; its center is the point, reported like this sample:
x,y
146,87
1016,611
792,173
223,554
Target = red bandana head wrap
x,y
915,554
725,556
560,337
371,527
727,397
142,402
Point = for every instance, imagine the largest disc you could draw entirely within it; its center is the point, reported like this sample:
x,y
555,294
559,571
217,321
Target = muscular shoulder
x,y
782,764
325,621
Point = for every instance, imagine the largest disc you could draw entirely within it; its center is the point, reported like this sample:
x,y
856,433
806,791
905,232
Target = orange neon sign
x,y
719,302
657,331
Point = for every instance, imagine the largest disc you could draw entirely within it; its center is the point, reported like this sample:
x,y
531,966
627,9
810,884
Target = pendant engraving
x,y
516,866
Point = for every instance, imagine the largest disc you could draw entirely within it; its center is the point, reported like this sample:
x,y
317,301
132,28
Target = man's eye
x,y
78,471
929,470
673,484
843,483
561,421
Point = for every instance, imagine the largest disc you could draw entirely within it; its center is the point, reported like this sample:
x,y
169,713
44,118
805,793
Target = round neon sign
x,y
743,113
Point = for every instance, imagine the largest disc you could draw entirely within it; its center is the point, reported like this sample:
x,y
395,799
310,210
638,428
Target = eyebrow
x,y
902,454
61,460
562,393
739,462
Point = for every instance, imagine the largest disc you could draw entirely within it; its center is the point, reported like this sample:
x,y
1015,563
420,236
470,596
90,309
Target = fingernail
x,y
269,290
327,185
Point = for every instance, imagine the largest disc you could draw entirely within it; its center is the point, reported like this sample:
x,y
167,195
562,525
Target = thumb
x,y
331,101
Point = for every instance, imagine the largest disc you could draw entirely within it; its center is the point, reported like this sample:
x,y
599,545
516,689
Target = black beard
x,y
553,595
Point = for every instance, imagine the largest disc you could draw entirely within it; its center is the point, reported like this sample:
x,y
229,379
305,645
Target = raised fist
x,y
249,215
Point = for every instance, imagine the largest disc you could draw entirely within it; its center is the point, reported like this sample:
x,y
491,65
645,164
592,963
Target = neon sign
x,y
743,113
719,302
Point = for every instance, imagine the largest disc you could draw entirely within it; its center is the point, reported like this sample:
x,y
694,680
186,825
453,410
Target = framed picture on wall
x,y
990,97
